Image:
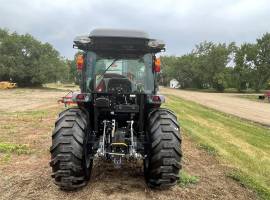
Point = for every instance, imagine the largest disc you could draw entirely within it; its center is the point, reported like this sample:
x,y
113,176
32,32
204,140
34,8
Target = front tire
x,y
70,161
163,161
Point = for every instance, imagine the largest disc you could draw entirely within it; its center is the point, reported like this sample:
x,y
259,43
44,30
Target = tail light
x,y
79,62
80,97
157,65
156,99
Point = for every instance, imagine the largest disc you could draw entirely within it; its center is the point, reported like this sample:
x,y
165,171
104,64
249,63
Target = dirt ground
x,y
227,102
28,99
28,176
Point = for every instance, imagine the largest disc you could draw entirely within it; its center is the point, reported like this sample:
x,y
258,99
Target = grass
x,y
209,149
14,148
186,179
14,121
242,145
246,180
28,115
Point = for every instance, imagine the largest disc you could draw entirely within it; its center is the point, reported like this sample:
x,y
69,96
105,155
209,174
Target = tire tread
x,y
165,149
67,149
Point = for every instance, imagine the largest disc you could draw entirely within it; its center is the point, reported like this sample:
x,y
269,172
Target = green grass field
x,y
241,145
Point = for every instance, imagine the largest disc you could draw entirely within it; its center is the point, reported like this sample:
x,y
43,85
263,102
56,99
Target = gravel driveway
x,y
228,103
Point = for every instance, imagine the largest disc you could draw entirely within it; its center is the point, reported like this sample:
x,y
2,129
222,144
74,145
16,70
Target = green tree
x,y
168,64
27,61
261,61
242,70
220,65
212,62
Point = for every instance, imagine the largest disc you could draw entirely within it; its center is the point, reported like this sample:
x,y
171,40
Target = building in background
x,y
174,83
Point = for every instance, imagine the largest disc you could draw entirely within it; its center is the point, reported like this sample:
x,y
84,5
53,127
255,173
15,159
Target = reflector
x,y
157,65
79,62
80,97
156,98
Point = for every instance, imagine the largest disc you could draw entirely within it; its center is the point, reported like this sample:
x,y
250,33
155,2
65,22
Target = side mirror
x,y
157,65
79,62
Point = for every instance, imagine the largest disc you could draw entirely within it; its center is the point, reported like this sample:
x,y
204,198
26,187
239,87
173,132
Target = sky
x,y
180,23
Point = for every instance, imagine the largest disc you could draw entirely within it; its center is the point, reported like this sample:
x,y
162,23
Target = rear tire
x,y
163,161
70,161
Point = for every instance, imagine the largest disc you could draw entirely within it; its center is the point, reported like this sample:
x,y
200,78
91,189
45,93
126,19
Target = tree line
x,y
219,66
28,62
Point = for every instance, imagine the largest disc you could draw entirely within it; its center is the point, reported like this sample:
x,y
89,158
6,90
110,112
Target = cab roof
x,y
123,33
119,41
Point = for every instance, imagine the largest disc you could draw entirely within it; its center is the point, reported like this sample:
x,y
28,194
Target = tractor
x,y
118,115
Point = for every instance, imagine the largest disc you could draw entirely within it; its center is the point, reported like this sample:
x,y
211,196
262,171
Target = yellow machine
x,y
7,85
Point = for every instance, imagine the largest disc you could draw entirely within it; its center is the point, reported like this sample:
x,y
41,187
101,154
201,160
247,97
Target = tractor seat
x,y
119,85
